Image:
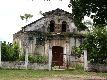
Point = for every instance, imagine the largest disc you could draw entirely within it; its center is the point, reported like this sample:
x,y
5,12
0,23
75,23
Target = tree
x,y
96,44
4,52
26,17
16,51
81,8
9,52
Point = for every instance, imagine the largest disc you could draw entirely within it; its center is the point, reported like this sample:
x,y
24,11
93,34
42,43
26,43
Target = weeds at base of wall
x,y
77,66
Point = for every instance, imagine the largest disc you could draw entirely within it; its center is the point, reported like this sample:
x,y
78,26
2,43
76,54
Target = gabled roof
x,y
32,22
54,12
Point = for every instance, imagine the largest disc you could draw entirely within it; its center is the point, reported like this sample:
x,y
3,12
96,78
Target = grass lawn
x,y
37,74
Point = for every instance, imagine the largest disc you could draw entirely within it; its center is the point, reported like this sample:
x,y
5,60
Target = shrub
x,y
22,58
31,58
96,45
9,52
38,58
77,51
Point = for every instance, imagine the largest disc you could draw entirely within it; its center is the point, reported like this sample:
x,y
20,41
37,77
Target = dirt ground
x,y
74,78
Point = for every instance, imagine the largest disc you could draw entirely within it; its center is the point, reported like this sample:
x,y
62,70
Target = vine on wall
x,y
42,37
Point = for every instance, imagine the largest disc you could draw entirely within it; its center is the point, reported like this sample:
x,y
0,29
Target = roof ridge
x,y
57,9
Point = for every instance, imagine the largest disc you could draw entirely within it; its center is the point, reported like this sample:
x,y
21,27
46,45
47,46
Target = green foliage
x,y
34,58
38,58
9,52
16,52
21,57
40,37
81,8
40,40
4,52
78,51
26,16
96,45
78,66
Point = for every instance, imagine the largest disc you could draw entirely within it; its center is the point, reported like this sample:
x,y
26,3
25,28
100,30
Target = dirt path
x,y
74,78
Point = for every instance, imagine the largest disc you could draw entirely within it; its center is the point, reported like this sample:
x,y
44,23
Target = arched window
x,y
52,25
64,24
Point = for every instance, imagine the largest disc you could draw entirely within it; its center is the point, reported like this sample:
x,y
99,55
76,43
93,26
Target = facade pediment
x,y
58,16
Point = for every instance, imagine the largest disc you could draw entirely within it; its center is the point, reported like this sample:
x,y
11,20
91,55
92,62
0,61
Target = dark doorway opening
x,y
64,24
52,25
57,56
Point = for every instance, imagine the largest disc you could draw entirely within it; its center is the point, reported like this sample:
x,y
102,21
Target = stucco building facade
x,y
54,33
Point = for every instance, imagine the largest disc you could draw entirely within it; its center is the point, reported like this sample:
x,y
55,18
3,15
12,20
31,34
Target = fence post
x,y
26,58
50,59
49,56
0,53
85,60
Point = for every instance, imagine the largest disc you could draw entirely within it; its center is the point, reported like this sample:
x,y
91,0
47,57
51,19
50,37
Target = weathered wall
x,y
21,65
97,67
39,25
40,49
74,42
43,23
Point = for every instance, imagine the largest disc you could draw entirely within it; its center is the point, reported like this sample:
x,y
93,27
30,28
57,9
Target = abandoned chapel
x,y
55,33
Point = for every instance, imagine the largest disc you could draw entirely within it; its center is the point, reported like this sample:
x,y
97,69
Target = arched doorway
x,y
57,56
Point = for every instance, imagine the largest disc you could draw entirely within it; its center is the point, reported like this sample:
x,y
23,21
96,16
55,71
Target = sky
x,y
10,11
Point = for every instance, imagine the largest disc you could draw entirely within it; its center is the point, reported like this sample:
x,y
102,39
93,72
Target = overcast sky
x,y
10,11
